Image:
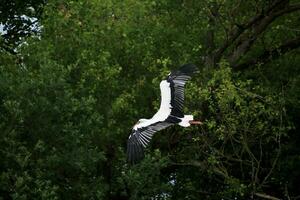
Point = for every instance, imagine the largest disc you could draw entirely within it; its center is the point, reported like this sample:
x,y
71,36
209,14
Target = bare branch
x,y
238,30
244,43
252,29
267,55
289,9
266,196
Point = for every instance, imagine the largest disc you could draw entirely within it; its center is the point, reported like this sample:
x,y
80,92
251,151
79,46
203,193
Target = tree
x,y
69,98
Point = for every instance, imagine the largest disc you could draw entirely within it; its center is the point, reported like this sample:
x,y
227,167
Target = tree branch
x,y
266,196
239,29
246,42
289,9
234,34
270,54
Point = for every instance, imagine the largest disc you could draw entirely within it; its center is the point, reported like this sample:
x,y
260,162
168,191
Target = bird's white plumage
x,y
164,109
185,121
165,104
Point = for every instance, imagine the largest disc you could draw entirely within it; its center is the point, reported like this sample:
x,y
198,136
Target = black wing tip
x,y
135,151
188,68
135,160
134,156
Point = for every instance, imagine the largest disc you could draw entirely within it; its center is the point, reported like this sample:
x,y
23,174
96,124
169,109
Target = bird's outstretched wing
x,y
177,80
140,138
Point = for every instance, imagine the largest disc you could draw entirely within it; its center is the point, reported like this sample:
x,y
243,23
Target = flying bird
x,y
169,113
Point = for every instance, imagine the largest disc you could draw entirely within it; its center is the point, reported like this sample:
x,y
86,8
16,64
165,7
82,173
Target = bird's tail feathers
x,y
185,121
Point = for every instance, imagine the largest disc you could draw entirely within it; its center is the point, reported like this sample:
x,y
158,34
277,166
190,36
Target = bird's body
x,y
169,113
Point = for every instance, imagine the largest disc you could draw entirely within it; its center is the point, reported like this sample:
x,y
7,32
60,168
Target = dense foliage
x,y
18,19
70,94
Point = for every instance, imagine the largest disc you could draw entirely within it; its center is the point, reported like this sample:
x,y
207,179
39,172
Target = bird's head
x,y
140,122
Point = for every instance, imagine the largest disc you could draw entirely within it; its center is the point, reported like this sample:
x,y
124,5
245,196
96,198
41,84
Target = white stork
x,y
169,113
